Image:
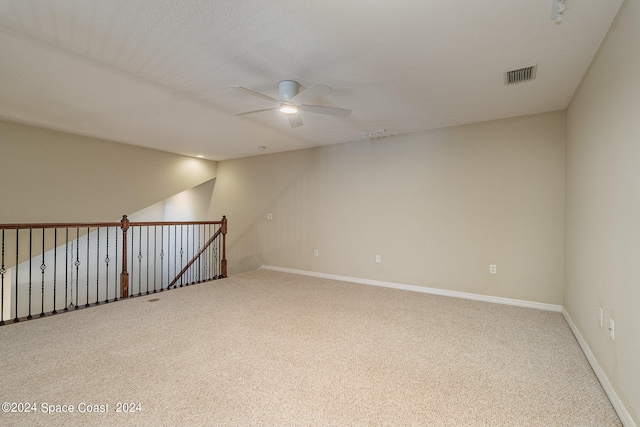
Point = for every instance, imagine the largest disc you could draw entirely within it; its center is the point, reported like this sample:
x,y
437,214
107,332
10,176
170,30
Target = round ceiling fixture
x,y
288,109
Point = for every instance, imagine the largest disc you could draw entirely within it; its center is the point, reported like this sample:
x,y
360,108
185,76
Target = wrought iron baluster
x,y
181,253
77,264
187,258
133,237
43,267
148,260
205,256
207,267
30,269
193,252
168,255
106,261
216,262
161,256
207,260
139,260
66,270
175,251
194,271
195,249
213,266
155,258
115,275
188,272
55,267
188,275
87,299
211,261
198,268
2,273
17,319
216,258
197,246
203,261
194,267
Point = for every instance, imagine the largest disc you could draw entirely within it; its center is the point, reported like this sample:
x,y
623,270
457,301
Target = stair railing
x,y
46,268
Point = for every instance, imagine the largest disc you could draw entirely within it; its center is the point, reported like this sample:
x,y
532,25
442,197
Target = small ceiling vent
x,y
520,75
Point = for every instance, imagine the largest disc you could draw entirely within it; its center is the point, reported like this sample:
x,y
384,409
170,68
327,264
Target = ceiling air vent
x,y
520,75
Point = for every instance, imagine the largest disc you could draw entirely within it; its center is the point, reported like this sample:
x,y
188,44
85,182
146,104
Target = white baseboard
x,y
443,292
622,412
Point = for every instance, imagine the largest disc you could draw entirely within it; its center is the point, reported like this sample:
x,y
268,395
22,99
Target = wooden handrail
x,y
37,225
147,223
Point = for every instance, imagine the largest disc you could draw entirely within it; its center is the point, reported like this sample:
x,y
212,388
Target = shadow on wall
x,y
189,205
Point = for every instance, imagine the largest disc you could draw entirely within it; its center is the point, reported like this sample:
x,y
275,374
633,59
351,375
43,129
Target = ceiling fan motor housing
x,y
288,89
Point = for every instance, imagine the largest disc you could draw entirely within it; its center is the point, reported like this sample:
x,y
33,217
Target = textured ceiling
x,y
159,73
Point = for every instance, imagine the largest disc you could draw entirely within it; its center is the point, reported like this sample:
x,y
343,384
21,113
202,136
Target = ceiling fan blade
x,y
310,93
295,120
255,111
331,111
254,93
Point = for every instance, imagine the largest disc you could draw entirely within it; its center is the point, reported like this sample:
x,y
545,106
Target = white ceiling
x,y
157,73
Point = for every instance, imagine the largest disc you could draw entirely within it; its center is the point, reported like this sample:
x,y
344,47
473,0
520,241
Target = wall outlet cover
x,y
612,329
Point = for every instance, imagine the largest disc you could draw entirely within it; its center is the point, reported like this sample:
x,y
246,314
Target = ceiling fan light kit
x,y
291,101
288,109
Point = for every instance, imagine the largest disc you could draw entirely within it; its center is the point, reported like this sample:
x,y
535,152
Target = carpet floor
x,y
276,349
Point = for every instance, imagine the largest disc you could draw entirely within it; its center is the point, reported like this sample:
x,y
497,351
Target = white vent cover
x,y
520,75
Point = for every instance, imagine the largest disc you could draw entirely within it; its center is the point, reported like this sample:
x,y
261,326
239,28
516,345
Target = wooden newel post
x,y
223,262
124,275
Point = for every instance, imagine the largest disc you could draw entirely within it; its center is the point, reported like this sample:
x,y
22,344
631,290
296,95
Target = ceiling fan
x,y
292,101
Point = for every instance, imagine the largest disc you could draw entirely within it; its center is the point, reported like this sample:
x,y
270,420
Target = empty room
x,y
320,213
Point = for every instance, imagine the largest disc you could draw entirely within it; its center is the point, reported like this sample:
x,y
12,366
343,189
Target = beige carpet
x,y
276,349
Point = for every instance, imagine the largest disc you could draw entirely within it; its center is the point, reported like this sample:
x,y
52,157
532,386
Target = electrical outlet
x,y
269,216
612,329
378,259
493,269
315,252
601,316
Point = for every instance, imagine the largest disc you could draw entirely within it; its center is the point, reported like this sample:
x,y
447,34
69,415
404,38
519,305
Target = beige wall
x,y
50,176
603,206
438,206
